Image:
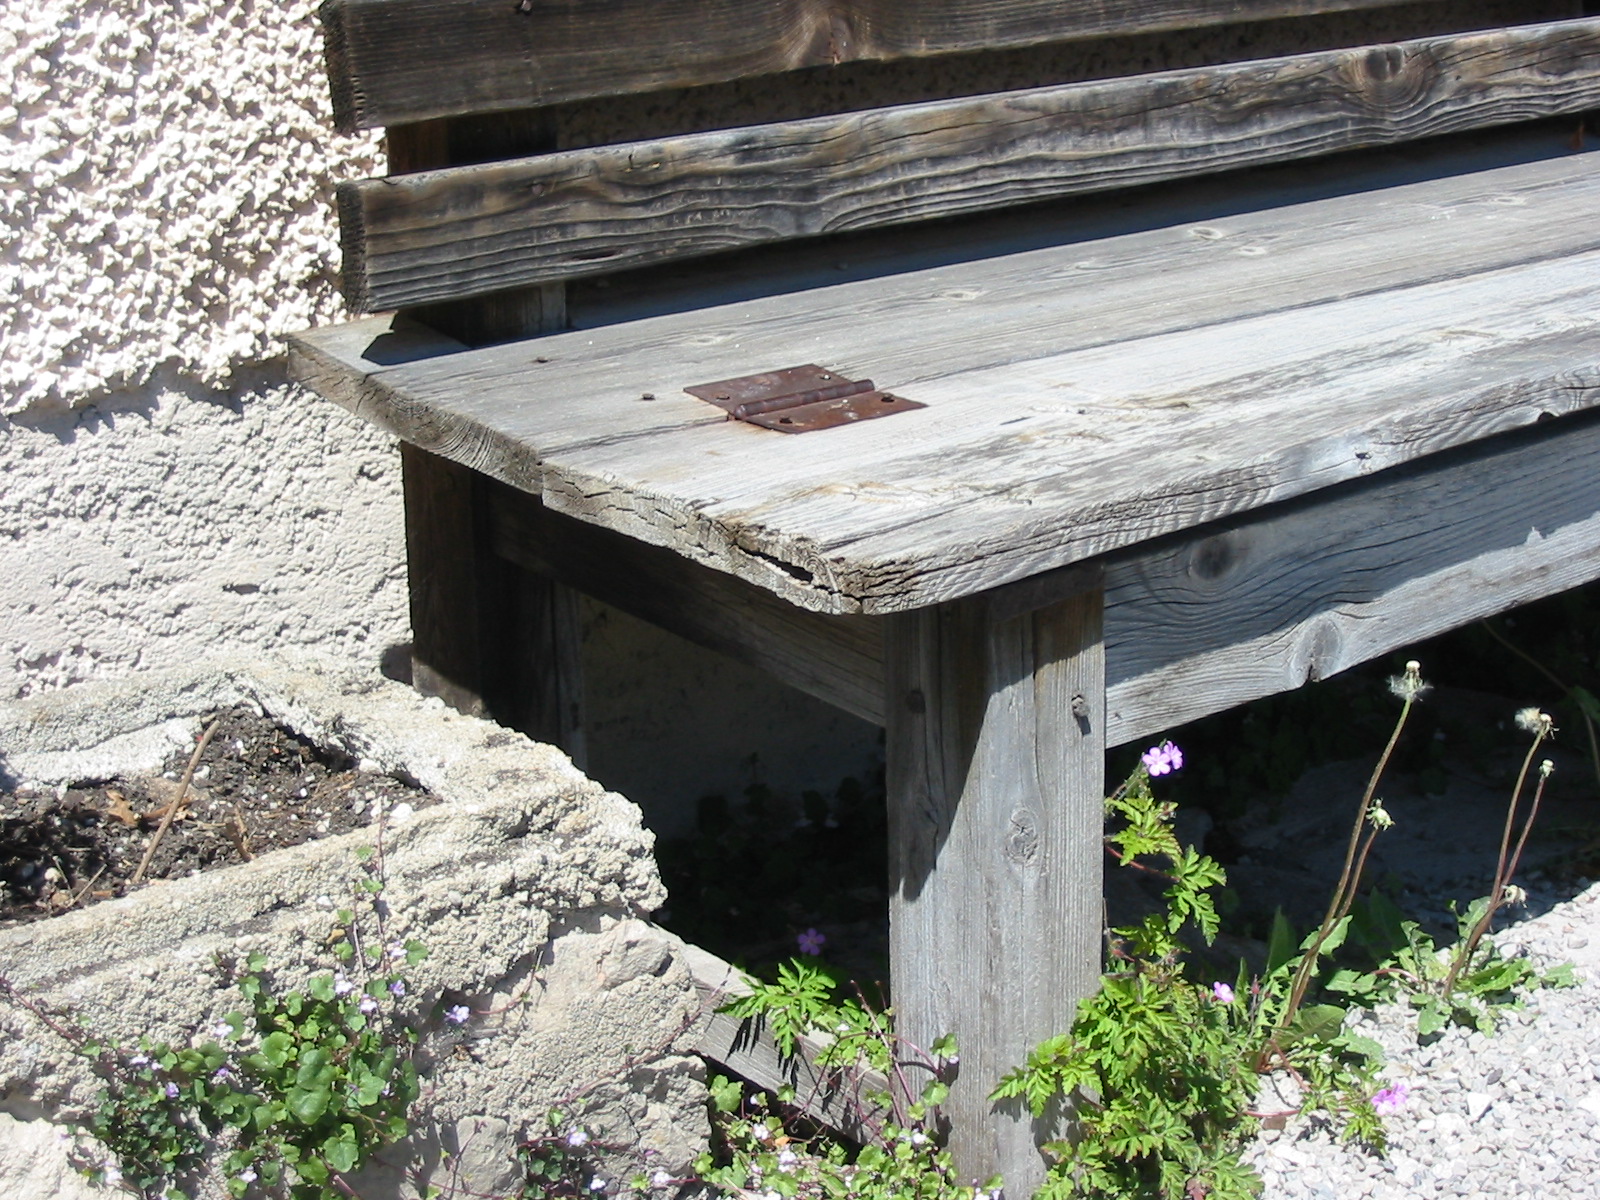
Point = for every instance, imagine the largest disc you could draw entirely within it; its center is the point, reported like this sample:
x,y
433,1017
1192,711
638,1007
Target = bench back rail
x,y
436,235
393,62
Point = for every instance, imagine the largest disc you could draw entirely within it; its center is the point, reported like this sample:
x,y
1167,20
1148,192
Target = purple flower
x,y
172,1091
397,988
368,1005
576,1138
139,1060
812,941
458,1014
342,986
1162,759
1392,1098
221,1075
248,1175
1222,992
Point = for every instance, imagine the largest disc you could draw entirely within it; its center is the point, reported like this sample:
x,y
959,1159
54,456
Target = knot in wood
x,y
1022,838
1214,556
1385,62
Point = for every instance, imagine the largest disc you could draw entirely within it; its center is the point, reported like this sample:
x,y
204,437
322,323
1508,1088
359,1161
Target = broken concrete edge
x,y
529,883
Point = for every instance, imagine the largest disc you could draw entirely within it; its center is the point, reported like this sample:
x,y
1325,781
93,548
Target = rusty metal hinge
x,y
800,399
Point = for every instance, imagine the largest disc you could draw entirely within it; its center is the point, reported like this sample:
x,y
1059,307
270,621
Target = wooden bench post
x,y
996,746
488,637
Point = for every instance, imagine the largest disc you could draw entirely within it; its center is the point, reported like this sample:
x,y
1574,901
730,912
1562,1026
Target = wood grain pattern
x,y
1307,590
392,61
424,237
995,815
837,659
842,1101
1278,352
488,637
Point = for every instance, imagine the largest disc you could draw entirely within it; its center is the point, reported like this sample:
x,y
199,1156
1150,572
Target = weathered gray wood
x,y
1260,606
488,637
492,316
392,61
1277,352
995,744
448,624
843,1101
838,659
436,235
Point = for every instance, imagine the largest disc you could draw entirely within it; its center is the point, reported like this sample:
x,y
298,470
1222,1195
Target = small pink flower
x,y
457,1014
1162,759
1222,992
1392,1098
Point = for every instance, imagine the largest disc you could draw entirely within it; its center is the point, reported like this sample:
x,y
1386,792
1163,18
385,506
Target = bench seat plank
x,y
1081,398
415,239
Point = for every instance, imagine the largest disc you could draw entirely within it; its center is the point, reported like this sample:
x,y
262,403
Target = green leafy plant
x,y
1159,1069
299,1090
899,1159
1440,984
762,1155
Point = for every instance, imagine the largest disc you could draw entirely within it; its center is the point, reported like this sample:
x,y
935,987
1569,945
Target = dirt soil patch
x,y
257,788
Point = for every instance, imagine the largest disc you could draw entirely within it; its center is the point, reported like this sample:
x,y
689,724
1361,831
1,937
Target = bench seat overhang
x,y
1082,397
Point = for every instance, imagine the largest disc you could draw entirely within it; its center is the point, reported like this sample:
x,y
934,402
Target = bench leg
x,y
995,727
488,637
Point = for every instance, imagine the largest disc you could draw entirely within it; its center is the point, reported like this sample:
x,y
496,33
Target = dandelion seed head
x,y
1409,686
1532,720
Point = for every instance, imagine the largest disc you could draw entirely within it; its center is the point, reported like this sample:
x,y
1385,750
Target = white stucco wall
x,y
166,171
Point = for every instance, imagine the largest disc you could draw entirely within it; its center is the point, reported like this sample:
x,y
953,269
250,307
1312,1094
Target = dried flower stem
x,y
1505,867
1355,857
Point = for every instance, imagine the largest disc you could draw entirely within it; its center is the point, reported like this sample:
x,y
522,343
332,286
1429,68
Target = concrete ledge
x,y
530,884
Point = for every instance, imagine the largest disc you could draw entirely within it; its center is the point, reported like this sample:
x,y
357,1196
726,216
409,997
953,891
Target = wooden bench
x,y
1218,393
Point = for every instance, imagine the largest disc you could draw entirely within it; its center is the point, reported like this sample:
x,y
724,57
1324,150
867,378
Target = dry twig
x,y
177,801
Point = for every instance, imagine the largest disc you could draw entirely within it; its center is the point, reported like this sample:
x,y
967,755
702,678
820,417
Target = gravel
x,y
1515,1114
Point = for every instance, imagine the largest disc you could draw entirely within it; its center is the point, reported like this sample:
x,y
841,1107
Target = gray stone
x,y
530,884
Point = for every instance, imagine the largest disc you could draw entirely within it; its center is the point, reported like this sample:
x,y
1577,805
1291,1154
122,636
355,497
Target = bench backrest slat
x,y
399,61
436,235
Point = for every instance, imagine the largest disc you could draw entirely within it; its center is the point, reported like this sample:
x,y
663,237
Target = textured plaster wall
x,y
166,171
